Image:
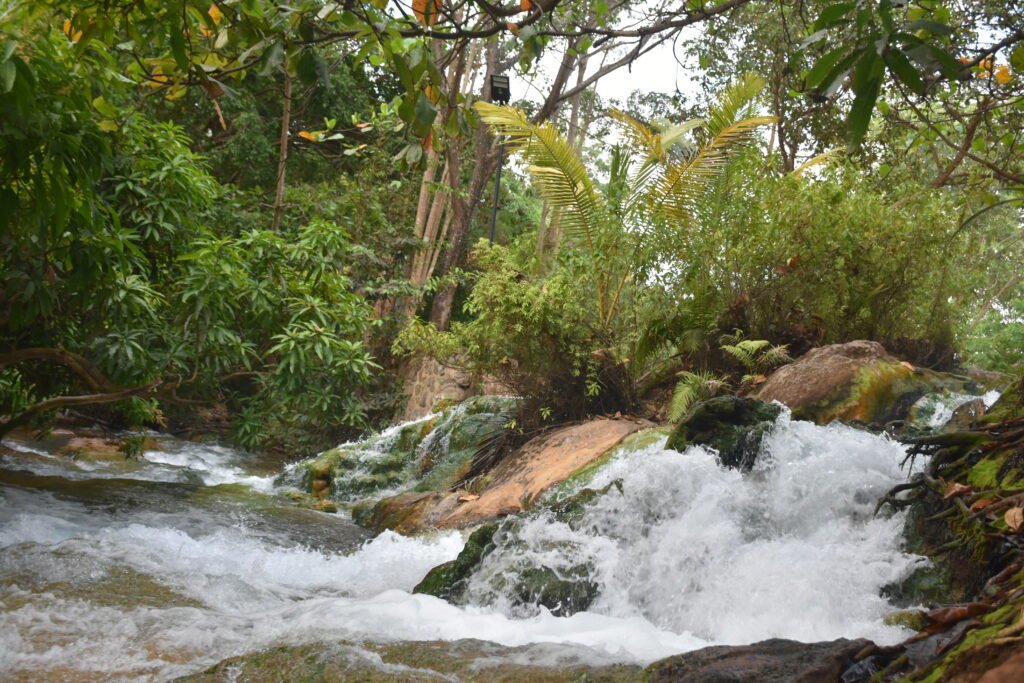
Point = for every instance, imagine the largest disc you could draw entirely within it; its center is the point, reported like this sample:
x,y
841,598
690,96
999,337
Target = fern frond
x,y
753,346
776,356
694,387
732,338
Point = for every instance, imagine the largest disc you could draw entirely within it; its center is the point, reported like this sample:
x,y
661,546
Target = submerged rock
x,y
459,660
562,593
856,381
447,581
732,425
770,661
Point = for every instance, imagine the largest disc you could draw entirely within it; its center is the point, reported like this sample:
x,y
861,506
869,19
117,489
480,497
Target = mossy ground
x,y
465,660
983,556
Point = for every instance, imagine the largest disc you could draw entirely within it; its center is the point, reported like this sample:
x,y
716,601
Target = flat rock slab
x,y
513,485
770,661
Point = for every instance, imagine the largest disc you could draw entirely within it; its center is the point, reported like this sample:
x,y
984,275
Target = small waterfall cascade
x,y
164,565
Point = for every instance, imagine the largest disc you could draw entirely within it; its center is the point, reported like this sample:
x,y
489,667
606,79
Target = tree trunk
x,y
282,153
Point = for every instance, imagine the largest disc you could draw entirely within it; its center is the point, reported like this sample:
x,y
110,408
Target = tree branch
x,y
59,402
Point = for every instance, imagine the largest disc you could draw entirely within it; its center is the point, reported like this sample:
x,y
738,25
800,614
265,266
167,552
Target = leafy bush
x,y
535,335
116,280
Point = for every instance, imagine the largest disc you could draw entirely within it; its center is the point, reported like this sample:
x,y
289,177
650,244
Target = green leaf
x,y
105,108
272,59
178,47
423,117
7,74
930,26
253,8
867,81
833,13
904,70
1017,58
823,67
306,68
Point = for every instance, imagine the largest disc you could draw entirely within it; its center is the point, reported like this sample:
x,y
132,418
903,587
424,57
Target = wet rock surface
x,y
855,381
732,425
770,661
514,485
471,661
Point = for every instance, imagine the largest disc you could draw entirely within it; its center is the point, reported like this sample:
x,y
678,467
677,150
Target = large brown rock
x,y
858,380
770,661
513,485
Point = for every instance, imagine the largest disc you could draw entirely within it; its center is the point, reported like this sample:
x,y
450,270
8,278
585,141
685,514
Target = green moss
x,y
448,580
985,474
733,426
915,620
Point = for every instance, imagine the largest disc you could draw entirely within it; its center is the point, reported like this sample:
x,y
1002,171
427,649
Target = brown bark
x,y
282,154
59,402
76,363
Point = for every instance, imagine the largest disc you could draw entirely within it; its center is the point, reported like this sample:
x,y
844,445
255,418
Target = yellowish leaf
x,y
981,504
1002,74
215,13
1014,518
70,31
306,135
426,11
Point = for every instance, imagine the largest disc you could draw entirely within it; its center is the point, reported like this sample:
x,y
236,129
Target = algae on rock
x,y
732,425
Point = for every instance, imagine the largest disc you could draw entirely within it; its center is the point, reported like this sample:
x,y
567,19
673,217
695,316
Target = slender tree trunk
x,y
282,152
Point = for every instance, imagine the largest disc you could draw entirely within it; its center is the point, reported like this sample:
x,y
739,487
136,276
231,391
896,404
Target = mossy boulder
x,y
732,425
521,481
448,581
857,381
563,593
428,454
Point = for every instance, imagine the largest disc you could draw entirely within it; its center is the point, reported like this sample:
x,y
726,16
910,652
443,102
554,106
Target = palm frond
x,y
823,158
684,181
638,134
556,169
735,102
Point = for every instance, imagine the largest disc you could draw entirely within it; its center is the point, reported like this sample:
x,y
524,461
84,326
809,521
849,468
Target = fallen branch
x,y
58,402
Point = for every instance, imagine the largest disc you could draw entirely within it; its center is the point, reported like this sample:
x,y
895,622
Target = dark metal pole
x,y
497,189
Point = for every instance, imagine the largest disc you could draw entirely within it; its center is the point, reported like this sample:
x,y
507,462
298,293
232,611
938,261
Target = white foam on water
x,y
686,555
790,550
214,465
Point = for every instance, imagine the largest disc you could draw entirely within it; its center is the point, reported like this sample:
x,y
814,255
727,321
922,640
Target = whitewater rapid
x,y
189,558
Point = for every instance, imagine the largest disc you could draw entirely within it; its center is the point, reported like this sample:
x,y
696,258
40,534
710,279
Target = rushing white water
x,y
790,550
134,579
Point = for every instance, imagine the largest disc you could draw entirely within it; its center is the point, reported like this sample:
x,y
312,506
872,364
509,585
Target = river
x,y
152,568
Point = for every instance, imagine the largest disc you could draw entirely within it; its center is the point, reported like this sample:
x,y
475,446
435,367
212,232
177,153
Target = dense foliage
x,y
221,215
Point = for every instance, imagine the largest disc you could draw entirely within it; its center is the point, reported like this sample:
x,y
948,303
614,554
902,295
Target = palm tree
x,y
649,183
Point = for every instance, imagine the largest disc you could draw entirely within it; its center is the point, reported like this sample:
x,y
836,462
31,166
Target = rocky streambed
x,y
744,545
